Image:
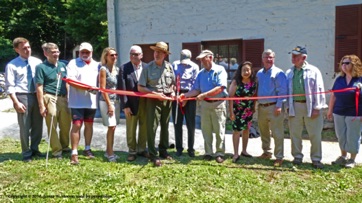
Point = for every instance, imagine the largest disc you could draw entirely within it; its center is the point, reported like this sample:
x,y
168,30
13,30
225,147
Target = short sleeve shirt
x,y
46,74
208,80
159,79
345,104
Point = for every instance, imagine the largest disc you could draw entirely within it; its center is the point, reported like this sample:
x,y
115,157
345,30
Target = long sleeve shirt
x,y
272,82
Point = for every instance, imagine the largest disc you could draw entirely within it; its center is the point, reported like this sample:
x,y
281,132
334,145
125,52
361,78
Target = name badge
x,y
62,69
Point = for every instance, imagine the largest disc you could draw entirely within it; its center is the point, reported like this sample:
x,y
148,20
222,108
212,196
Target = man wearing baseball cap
x,y
186,72
81,101
211,82
158,78
305,80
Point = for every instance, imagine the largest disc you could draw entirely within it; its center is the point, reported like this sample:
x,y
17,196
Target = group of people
x,y
37,90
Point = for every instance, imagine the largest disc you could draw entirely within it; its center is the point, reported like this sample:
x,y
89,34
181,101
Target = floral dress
x,y
243,109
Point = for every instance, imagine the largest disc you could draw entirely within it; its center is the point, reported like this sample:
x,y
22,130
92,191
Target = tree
x,y
63,22
87,22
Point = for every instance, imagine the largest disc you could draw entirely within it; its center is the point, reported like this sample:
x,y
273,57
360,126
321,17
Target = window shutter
x,y
148,52
252,51
348,32
195,48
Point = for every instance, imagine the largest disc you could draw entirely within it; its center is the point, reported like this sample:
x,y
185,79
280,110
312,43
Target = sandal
x,y
235,159
74,160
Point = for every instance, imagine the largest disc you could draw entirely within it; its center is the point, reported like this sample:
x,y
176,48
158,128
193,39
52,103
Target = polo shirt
x,y
46,74
158,79
207,80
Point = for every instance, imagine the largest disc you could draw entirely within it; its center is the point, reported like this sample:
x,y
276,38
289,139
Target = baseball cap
x,y
185,56
204,53
85,46
298,50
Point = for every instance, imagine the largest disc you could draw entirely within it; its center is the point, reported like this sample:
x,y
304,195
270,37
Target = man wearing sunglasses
x,y
305,108
81,101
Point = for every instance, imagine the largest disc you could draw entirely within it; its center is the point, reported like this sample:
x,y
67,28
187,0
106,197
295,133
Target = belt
x,y
211,101
267,104
183,91
25,93
59,95
300,101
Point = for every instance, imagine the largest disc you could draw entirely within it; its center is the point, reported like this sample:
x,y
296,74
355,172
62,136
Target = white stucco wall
x,y
282,23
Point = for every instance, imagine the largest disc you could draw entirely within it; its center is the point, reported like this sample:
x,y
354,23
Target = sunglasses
x,y
346,63
113,55
135,54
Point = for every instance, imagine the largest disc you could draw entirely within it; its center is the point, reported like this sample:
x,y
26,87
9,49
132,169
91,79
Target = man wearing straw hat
x,y
52,99
158,78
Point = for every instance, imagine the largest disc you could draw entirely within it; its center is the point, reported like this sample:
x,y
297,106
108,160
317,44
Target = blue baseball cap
x,y
298,50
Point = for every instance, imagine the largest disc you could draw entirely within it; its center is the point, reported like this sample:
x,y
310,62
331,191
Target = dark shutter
x,y
195,48
348,32
252,51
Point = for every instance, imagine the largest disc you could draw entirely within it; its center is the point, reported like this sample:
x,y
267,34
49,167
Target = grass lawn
x,y
181,180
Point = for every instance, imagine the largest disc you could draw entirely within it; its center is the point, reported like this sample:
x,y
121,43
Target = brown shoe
x,y
266,155
219,159
165,155
144,154
131,157
74,159
278,162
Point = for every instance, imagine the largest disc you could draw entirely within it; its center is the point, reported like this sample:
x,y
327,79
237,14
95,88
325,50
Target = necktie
x,y
31,86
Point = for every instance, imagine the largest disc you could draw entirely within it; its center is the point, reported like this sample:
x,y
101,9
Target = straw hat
x,y
160,46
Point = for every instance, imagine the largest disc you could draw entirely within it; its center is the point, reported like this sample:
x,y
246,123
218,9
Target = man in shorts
x,y
81,101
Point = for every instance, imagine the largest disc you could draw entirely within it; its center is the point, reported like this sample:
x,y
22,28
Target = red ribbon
x,y
154,96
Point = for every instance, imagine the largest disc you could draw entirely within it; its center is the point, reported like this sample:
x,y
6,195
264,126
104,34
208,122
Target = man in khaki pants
x,y
306,80
53,103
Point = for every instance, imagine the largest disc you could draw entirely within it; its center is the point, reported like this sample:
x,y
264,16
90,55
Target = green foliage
x,y
66,23
7,52
181,180
88,22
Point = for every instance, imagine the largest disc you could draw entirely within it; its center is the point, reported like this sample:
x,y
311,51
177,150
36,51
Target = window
x,y
348,32
230,53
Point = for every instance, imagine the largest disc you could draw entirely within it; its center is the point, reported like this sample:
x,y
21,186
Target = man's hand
x,y
19,107
127,112
92,91
43,111
315,113
161,95
277,111
201,97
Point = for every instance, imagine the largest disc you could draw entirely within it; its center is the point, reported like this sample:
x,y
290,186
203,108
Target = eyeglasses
x,y
135,54
346,63
112,55
55,52
85,52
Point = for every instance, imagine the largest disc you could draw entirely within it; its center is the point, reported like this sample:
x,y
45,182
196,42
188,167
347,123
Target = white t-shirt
x,y
79,71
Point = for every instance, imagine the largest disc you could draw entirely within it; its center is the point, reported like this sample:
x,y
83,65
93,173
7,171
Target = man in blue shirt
x,y
185,71
211,82
21,88
271,82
